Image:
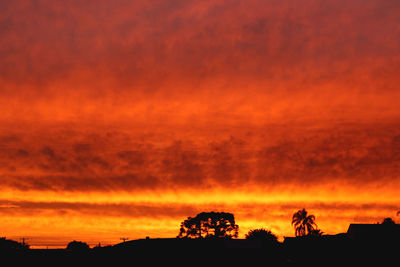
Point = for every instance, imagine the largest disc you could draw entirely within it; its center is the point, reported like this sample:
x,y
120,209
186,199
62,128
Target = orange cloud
x,y
268,156
113,99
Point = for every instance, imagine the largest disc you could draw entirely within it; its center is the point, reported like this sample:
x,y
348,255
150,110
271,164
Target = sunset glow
x,y
122,118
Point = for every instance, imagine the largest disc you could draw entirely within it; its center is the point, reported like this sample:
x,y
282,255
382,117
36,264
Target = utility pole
x,y
23,240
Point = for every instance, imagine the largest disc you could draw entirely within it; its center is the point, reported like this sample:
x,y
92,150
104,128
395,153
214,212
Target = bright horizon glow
x,y
82,211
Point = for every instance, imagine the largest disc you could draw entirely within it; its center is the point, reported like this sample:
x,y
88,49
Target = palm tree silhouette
x,y
304,224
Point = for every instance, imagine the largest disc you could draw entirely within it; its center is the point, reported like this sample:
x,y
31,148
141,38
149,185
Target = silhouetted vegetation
x,y
315,233
304,224
262,234
8,244
210,224
77,246
265,237
388,221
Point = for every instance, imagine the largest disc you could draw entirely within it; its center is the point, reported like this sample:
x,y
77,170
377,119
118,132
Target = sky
x,y
123,118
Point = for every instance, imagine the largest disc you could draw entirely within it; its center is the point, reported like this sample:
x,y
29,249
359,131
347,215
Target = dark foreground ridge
x,y
362,244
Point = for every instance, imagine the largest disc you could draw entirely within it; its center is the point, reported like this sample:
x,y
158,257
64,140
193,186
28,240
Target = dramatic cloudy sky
x,y
122,118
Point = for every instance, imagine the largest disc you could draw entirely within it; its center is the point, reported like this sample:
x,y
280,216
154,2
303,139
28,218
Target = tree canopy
x,y
210,224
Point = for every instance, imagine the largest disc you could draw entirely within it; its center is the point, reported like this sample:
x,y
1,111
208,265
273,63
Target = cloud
x,y
360,154
345,212
133,97
137,46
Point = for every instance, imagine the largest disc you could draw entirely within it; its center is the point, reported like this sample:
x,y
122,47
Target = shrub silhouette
x,y
388,221
303,223
209,224
263,235
316,233
77,246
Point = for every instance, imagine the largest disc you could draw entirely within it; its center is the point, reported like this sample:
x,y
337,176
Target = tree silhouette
x,y
209,224
303,223
263,235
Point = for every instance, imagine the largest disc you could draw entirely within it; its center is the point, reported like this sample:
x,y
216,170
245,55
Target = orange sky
x,y
124,118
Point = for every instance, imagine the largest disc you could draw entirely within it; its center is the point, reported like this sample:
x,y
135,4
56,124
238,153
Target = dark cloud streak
x,y
361,154
263,211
